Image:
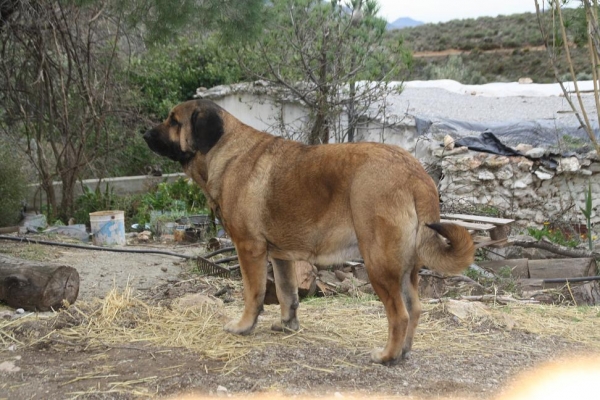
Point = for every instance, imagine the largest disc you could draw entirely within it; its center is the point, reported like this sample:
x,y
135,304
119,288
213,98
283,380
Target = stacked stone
x,y
521,187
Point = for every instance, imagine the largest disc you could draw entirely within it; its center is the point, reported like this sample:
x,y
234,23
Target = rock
x,y
523,147
448,142
164,269
523,182
525,164
543,174
447,153
536,152
505,173
221,391
486,175
568,164
525,81
496,161
196,300
594,167
592,155
9,366
19,311
539,217
467,310
585,172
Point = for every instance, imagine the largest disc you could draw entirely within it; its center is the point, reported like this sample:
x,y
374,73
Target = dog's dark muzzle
x,y
166,148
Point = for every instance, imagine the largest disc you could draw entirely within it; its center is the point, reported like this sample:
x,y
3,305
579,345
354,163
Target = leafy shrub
x,y
169,74
554,235
455,69
179,196
12,187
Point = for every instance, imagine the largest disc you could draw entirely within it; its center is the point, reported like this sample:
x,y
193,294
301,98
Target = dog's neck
x,y
208,170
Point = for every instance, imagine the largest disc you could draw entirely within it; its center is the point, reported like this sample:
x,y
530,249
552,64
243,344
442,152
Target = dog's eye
x,y
173,121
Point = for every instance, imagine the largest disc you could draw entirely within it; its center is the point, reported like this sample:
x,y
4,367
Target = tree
x,y
67,101
332,56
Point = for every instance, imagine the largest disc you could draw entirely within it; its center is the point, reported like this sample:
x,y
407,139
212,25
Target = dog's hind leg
x,y
386,265
253,264
287,294
410,291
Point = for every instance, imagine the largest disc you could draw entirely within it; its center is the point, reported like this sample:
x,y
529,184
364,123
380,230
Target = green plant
x,y
12,187
554,235
179,197
92,201
587,213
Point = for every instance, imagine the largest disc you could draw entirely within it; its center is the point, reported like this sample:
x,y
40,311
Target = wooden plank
x,y
562,268
519,266
477,218
471,225
481,241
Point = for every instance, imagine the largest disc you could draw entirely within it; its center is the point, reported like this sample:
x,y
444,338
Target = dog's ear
x,y
207,127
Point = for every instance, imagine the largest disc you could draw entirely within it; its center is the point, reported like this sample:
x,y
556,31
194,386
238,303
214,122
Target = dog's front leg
x,y
253,264
286,284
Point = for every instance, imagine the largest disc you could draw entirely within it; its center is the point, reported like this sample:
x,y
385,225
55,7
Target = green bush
x,y
455,69
179,196
13,187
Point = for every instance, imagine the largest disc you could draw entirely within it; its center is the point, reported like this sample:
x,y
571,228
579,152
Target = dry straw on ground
x,y
357,325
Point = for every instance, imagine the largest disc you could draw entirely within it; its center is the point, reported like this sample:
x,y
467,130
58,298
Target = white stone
x,y
525,165
9,366
525,81
543,175
221,391
523,182
536,152
448,142
568,164
585,172
539,217
486,175
447,153
19,311
505,173
594,167
523,147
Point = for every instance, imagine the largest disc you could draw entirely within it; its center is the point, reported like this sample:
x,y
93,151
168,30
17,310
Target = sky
x,y
446,10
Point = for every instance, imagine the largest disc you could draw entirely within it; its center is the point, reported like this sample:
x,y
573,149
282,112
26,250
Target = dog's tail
x,y
438,255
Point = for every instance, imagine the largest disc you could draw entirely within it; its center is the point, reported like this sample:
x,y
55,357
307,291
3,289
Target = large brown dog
x,y
287,201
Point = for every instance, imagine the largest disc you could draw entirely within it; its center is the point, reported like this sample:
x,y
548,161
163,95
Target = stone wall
x,y
524,188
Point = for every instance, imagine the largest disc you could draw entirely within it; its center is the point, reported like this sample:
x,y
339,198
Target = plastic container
x,y
108,228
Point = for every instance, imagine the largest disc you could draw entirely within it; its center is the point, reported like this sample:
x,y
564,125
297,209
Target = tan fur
x,y
323,204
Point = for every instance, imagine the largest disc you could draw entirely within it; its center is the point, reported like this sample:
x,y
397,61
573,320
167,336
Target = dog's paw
x,y
286,326
238,329
378,356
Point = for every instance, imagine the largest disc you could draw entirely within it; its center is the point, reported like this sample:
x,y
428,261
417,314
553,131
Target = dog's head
x,y
192,127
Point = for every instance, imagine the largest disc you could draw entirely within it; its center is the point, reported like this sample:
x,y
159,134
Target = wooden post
x,y
36,286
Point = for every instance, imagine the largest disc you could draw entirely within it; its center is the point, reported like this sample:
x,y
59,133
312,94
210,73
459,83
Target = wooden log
x,y
587,293
562,268
519,267
36,286
306,276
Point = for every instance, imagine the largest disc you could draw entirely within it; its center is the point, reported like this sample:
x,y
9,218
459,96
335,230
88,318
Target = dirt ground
x,y
51,356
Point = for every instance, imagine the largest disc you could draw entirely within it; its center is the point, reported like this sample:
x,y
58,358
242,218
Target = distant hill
x,y
488,49
403,22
